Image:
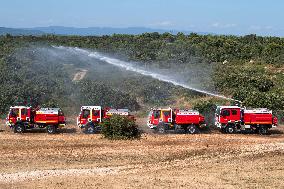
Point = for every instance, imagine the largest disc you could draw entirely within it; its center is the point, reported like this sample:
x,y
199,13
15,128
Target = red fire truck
x,y
232,119
22,118
163,120
90,117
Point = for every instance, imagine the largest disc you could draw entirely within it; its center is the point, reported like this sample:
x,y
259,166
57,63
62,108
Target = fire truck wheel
x,y
223,130
192,129
90,129
51,129
176,128
230,129
162,128
19,128
263,130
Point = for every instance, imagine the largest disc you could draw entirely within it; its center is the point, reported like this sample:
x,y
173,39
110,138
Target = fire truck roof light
x,y
221,107
21,107
91,107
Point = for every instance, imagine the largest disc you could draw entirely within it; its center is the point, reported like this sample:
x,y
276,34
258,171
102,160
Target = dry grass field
x,y
75,160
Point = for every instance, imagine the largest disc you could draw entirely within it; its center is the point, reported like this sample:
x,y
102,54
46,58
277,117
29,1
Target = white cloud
x,y
163,24
50,21
255,27
230,25
216,24
269,27
220,25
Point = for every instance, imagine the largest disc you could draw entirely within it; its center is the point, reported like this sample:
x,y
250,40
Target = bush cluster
x,y
120,127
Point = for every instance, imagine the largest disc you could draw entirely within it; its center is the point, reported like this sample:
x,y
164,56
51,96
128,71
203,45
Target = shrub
x,y
207,108
120,127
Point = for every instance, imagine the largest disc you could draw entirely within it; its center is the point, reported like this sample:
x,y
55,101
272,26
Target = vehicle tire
x,y
51,129
230,129
263,130
223,130
154,130
162,128
19,128
176,128
192,129
184,127
90,128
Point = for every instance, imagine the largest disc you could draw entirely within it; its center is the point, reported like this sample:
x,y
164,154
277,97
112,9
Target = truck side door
x,y
96,115
167,116
85,116
24,114
225,115
156,117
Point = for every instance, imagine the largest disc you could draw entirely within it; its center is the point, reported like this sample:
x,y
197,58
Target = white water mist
x,y
134,68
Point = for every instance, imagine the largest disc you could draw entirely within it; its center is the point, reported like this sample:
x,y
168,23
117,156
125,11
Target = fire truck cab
x,y
159,115
89,114
166,119
90,117
232,119
22,118
18,113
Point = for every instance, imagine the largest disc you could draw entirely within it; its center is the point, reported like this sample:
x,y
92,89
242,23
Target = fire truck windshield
x,y
24,111
86,113
96,112
225,113
166,113
14,112
157,114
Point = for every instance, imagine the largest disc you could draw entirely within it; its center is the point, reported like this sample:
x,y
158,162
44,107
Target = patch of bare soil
x,y
75,160
80,75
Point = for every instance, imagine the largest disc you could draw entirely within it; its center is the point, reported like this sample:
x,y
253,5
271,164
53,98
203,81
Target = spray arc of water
x,y
131,67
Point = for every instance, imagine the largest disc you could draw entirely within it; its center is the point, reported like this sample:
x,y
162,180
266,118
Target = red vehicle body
x,y
22,118
231,119
91,116
168,119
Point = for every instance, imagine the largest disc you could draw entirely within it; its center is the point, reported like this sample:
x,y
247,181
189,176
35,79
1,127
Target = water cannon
x,y
238,103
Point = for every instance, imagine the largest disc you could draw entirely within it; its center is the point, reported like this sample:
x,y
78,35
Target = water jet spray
x,y
138,69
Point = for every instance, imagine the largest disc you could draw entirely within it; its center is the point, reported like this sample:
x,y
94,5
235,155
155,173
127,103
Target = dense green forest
x,y
248,68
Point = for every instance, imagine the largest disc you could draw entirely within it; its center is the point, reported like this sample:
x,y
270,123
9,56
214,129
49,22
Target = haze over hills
x,y
98,31
19,31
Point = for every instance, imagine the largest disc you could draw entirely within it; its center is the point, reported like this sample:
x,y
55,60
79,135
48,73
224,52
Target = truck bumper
x,y
151,126
203,125
9,124
218,125
81,126
61,125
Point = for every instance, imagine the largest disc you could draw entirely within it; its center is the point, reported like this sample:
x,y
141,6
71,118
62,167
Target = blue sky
x,y
263,17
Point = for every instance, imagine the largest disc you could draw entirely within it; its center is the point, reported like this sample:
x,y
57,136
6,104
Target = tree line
x,y
248,68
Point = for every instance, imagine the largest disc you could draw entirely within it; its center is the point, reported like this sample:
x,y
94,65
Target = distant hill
x,y
97,31
18,31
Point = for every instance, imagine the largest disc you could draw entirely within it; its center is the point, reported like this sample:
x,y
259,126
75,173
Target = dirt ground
x,y
81,73
75,160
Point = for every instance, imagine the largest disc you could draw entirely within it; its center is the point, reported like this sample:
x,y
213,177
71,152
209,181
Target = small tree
x,y
120,127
